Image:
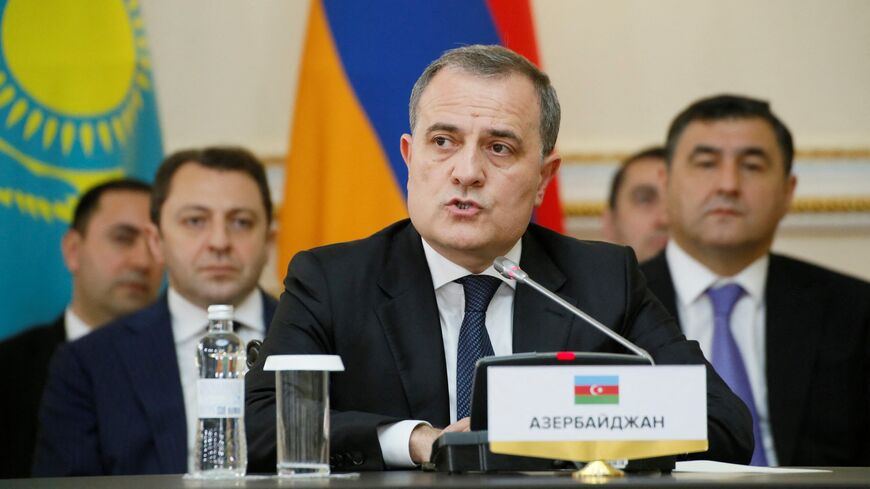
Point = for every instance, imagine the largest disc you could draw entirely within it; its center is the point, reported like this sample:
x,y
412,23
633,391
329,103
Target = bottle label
x,y
220,398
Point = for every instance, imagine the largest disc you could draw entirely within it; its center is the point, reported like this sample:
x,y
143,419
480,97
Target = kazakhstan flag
x,y
76,108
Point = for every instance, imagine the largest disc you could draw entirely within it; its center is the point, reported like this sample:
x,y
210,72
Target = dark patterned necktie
x,y
728,361
473,339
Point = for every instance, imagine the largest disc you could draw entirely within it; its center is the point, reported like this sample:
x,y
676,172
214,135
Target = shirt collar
x,y
190,320
691,278
73,325
444,271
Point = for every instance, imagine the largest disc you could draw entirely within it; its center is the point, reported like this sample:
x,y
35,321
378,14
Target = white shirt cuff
x,y
395,440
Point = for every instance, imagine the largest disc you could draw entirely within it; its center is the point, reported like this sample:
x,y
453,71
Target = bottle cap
x,y
220,311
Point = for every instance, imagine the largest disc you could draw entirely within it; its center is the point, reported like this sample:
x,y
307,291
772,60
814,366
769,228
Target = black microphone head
x,y
509,269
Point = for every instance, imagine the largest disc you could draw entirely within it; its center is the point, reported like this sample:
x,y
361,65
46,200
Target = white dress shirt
x,y
189,324
73,325
695,310
450,297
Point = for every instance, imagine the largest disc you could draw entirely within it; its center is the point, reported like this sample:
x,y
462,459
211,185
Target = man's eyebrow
x,y
193,208
704,149
441,126
125,229
241,210
644,190
755,151
504,134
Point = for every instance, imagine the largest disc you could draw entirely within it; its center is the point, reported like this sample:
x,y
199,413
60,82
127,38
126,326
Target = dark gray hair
x,y
496,61
89,202
655,152
725,107
220,158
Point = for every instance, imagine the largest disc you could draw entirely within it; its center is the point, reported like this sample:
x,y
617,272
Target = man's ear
x,y
70,247
405,148
548,170
152,237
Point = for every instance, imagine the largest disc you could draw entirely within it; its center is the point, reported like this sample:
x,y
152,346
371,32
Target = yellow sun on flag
x,y
68,84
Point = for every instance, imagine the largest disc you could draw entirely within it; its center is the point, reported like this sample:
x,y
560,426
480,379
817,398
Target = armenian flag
x,y
596,389
77,107
345,177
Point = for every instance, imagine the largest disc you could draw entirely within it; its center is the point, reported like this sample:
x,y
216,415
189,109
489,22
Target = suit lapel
x,y
539,325
269,307
792,309
148,354
411,324
660,282
58,331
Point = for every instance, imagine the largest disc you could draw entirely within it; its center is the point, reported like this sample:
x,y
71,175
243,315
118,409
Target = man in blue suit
x,y
122,400
113,273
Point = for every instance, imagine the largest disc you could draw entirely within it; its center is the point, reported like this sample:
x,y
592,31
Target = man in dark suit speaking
x,y
791,338
411,308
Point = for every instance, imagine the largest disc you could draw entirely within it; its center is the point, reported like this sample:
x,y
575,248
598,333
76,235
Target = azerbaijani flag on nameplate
x,y
345,177
596,389
76,108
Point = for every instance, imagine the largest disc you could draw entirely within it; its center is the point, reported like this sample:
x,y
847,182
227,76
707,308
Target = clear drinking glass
x,y
302,412
303,423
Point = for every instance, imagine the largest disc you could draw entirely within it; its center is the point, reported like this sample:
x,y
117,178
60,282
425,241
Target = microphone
x,y
511,270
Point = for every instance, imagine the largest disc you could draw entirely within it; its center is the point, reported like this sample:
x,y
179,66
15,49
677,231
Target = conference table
x,y
837,477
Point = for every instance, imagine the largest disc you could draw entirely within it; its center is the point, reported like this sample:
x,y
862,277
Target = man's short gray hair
x,y
496,61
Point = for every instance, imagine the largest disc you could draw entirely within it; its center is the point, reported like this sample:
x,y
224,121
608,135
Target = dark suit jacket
x,y
818,360
372,302
113,404
26,356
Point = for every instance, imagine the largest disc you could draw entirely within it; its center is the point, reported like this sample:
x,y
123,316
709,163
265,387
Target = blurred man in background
x,y
636,215
113,273
122,401
790,338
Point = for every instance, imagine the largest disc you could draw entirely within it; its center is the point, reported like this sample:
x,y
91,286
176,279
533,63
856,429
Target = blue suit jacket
x,y
113,403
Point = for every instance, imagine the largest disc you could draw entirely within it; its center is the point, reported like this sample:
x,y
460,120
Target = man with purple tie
x,y
790,338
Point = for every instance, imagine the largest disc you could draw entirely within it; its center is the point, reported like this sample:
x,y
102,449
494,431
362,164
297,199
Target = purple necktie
x,y
473,339
728,361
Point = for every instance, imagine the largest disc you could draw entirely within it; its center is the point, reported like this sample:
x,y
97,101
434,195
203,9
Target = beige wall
x,y
623,68
226,73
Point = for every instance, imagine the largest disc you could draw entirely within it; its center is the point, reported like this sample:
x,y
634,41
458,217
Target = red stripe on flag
x,y
599,390
515,24
550,213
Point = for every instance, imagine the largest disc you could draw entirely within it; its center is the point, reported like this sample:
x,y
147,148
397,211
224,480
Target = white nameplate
x,y
657,409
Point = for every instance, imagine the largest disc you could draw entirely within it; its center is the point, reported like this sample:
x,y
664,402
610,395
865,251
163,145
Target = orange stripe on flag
x,y
338,183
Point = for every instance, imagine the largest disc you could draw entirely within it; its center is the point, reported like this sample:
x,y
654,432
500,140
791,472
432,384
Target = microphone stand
x,y
511,270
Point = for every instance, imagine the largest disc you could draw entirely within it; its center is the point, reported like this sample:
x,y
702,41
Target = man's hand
x,y
420,444
423,436
463,424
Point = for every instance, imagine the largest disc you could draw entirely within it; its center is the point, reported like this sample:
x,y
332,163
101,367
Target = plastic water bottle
x,y
220,450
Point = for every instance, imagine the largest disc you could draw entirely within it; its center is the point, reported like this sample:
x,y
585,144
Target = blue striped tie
x,y
473,339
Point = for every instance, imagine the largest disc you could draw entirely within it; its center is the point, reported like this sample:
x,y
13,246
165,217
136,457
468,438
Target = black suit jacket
x,y
372,302
818,360
26,357
113,403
